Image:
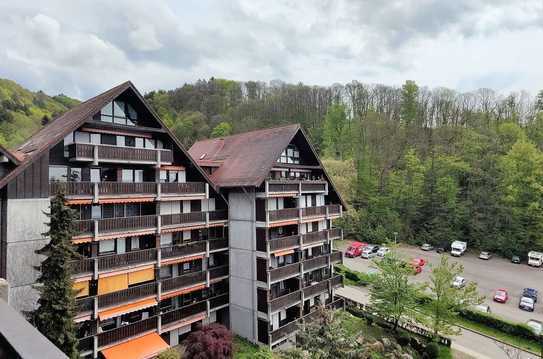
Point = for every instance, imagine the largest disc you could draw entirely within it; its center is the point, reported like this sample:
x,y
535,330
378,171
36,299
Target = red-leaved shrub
x,y
211,342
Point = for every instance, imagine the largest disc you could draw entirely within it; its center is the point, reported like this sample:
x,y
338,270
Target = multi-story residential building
x,y
282,208
151,229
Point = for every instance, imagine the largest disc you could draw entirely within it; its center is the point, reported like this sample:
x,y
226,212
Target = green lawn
x,y
244,349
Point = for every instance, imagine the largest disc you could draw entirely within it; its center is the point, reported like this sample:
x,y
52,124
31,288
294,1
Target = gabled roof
x,y
245,159
14,157
56,130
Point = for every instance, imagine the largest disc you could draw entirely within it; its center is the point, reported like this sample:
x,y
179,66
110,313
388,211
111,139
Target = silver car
x,y
369,251
459,282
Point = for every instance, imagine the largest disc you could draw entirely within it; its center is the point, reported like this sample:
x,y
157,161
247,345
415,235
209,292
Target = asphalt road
x,y
466,345
489,276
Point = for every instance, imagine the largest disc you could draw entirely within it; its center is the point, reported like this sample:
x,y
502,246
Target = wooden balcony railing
x,y
282,186
183,249
334,233
284,242
336,256
114,153
183,218
183,188
320,287
316,262
127,331
84,265
215,244
218,301
285,330
126,259
116,188
284,272
71,188
285,301
218,215
334,209
84,305
185,280
183,312
314,237
314,211
85,344
126,295
127,223
313,186
336,281
283,214
84,226
217,272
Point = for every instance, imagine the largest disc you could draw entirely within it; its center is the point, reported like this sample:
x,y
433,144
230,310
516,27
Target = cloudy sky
x,y
81,48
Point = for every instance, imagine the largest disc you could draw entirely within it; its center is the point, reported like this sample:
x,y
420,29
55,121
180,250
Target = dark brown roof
x,y
55,131
246,158
13,156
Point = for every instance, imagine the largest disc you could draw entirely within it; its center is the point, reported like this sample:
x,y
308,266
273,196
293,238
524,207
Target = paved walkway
x,y
466,345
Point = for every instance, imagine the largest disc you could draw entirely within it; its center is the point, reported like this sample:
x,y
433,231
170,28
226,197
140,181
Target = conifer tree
x,y
54,316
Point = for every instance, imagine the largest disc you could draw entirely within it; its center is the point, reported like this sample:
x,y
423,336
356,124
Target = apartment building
x,y
282,210
151,228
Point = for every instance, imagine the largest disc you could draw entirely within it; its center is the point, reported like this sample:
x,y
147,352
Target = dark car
x,y
530,293
443,247
515,259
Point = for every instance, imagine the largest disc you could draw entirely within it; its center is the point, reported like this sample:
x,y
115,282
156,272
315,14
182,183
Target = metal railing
x,y
334,233
314,211
84,226
285,301
336,281
283,214
218,301
334,208
320,287
316,262
114,188
127,331
218,215
217,272
284,272
183,188
312,237
219,243
84,304
125,259
285,330
185,280
85,265
71,188
183,249
284,242
183,312
183,218
127,223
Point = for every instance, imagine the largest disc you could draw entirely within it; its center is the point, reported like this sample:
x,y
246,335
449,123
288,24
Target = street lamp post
x,y
395,235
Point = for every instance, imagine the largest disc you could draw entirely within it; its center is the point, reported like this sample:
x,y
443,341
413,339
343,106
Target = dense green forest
x,y
430,165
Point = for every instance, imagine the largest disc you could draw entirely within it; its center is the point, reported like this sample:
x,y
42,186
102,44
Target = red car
x,y
501,296
419,262
355,249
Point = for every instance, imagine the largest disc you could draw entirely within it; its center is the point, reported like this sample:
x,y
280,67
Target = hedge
x,y
361,279
516,329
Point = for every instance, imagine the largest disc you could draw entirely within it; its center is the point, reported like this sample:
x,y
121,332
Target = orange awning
x,y
128,308
144,347
79,240
181,260
172,167
126,200
283,253
182,291
74,202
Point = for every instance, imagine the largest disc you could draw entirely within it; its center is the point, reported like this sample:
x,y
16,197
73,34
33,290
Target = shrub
x,y
169,354
352,276
403,338
431,351
212,341
516,329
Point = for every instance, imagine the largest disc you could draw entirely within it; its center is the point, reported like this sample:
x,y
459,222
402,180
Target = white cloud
x,y
81,48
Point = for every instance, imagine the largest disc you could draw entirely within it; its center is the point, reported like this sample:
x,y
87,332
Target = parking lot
x,y
489,276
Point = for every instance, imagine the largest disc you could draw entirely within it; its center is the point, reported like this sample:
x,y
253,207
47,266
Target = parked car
x,y
370,251
383,251
427,247
485,255
530,293
527,304
483,308
501,295
418,262
459,282
355,249
536,326
515,259
443,247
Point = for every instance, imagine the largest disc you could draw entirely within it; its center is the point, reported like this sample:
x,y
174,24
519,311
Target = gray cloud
x,y
81,48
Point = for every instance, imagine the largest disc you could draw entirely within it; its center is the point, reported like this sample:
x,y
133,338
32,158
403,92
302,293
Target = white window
x,y
139,142
127,176
138,176
165,271
95,175
58,173
134,243
96,212
186,266
107,246
166,240
82,137
95,138
163,176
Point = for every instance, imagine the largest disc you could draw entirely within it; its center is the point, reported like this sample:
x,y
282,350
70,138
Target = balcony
x,y
284,242
284,272
113,154
85,344
183,250
314,263
285,301
82,266
127,295
182,313
183,281
99,191
119,224
314,237
284,331
334,209
218,301
218,244
336,257
288,186
183,219
126,332
218,215
335,233
336,281
315,289
127,259
314,211
283,214
218,272
84,305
